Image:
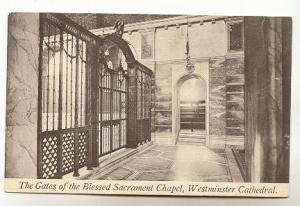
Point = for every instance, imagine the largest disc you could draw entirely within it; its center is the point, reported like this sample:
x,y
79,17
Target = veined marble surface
x,y
22,95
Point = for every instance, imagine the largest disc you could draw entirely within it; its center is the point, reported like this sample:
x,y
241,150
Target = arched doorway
x,y
191,108
192,100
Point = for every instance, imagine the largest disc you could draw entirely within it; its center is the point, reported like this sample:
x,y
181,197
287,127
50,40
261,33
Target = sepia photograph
x,y
110,98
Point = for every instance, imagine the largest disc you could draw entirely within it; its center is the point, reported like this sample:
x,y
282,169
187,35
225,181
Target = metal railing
x,y
83,103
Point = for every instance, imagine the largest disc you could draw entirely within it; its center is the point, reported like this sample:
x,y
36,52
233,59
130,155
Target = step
x,y
192,128
181,122
181,142
195,137
191,108
193,118
190,142
192,112
192,136
197,132
191,139
201,116
193,102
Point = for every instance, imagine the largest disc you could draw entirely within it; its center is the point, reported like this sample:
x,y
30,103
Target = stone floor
x,y
174,163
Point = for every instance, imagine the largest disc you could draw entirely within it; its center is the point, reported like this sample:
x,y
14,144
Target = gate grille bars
x,y
84,101
112,118
63,129
144,105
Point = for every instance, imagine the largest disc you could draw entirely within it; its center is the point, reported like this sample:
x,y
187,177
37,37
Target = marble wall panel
x,y
235,66
22,95
235,101
217,97
163,104
236,106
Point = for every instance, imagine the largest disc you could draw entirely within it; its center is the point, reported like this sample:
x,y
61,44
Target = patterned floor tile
x,y
177,163
156,176
149,163
119,173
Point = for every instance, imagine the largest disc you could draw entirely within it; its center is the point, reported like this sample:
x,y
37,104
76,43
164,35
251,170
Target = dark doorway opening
x,y
192,115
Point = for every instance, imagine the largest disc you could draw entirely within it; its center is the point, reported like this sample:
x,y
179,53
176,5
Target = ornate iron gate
x,y
63,96
143,80
84,97
112,118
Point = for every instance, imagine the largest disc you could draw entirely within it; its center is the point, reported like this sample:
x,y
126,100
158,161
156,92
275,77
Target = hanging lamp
x,y
189,66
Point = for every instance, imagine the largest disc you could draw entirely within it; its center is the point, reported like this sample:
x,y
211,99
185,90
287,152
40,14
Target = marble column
x,y
22,95
264,98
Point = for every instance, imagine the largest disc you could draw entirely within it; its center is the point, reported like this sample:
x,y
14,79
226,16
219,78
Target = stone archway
x,y
176,104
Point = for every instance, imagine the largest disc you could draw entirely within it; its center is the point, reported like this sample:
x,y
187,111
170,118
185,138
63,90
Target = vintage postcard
x,y
139,104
